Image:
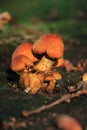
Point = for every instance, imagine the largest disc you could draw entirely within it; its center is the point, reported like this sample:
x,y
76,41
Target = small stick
x,y
65,97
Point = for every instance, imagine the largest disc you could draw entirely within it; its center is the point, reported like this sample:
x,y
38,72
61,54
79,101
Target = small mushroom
x,y
26,50
21,65
51,78
23,62
51,48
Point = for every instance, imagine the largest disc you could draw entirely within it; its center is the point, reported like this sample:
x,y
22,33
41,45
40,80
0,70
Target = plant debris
x,y
66,97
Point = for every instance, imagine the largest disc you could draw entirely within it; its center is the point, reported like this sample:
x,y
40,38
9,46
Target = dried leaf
x,y
69,66
4,18
13,124
81,65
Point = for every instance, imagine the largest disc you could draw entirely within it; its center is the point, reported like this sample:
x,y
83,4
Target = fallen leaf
x,y
4,18
68,66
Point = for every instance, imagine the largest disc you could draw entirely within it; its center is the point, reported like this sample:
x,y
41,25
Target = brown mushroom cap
x,y
26,50
50,44
20,62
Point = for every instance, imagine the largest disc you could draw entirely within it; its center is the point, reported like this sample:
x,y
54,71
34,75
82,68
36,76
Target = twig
x,y
65,97
24,28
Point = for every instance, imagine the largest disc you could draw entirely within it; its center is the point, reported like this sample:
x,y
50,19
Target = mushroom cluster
x,y
36,63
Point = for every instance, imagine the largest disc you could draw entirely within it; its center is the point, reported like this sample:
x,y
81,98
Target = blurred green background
x,y
24,10
64,17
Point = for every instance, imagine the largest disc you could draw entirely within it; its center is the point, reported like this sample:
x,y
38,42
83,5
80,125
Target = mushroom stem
x,y
36,81
44,65
24,79
51,86
51,80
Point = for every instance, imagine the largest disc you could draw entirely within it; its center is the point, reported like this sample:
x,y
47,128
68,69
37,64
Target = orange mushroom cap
x,y
50,44
26,50
20,62
53,75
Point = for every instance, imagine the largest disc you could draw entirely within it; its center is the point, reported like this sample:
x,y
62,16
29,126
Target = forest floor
x,y
13,101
